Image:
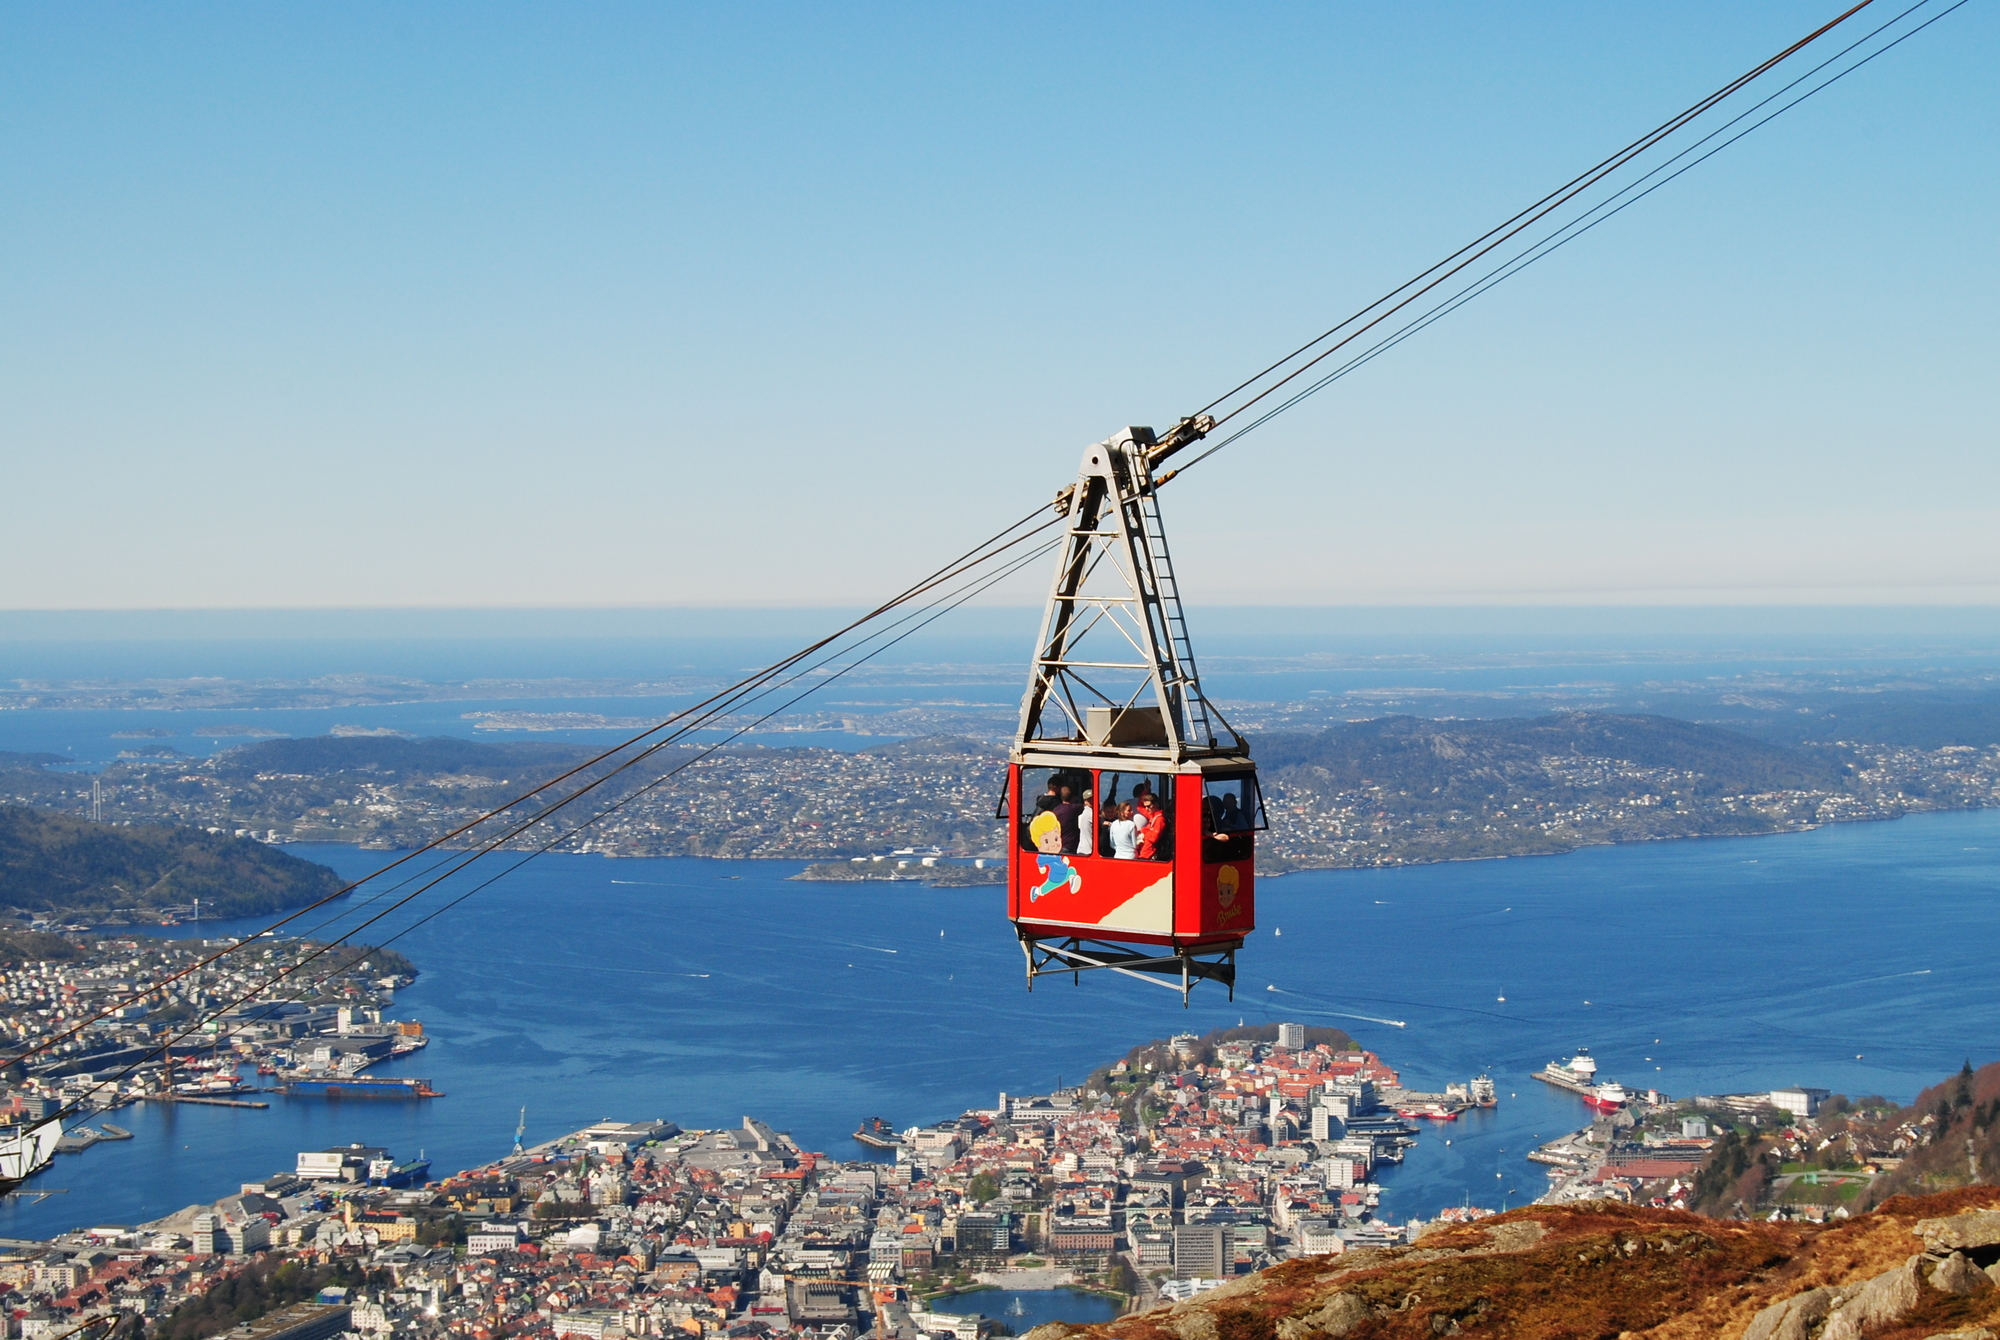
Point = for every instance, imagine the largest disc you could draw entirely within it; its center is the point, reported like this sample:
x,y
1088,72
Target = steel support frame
x,y
1113,523
1180,965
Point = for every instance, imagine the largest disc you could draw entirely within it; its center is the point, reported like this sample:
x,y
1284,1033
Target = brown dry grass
x,y
1581,1272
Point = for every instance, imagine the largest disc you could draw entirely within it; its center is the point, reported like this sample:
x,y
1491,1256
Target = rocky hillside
x,y
1915,1268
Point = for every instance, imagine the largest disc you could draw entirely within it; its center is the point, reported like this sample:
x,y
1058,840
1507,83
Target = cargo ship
x,y
389,1173
360,1086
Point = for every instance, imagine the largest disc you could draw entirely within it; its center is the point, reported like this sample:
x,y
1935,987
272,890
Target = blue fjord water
x,y
1857,957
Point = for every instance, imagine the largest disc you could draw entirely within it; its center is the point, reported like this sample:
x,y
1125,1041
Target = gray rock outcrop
x,y
1876,1302
1956,1274
1794,1318
1335,1317
1961,1232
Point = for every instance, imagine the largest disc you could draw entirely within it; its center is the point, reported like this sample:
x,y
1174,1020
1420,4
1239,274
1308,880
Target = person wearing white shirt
x,y
1124,834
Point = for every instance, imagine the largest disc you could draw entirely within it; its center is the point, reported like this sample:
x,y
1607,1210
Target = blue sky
x,y
456,305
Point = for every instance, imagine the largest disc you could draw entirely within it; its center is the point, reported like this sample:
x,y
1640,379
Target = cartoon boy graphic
x,y
1045,831
1227,880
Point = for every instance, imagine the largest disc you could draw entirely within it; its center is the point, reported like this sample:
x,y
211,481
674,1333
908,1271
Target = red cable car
x,y
1134,803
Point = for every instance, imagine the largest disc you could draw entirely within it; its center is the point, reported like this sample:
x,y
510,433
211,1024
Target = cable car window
x,y
1063,794
1136,810
1232,804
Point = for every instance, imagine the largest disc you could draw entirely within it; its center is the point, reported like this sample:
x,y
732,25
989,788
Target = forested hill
x,y
1471,758
54,862
1397,790
399,759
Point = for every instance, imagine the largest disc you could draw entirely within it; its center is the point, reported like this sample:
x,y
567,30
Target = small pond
x,y
1021,1310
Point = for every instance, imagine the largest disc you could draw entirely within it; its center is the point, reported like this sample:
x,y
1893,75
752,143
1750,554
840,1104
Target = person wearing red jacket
x,y
1152,823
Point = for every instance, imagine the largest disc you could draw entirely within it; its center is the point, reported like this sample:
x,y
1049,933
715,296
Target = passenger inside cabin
x,y
1086,825
1068,811
1124,833
1049,799
1225,817
1227,822
1152,822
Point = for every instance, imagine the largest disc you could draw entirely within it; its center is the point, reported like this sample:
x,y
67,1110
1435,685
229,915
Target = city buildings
x,y
1134,1180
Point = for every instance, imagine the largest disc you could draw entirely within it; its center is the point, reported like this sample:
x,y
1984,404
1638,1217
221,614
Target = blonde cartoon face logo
x,y
1227,880
1045,831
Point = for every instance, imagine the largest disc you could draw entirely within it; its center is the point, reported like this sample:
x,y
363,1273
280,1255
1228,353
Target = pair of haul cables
x,y
973,574
1547,225
1558,218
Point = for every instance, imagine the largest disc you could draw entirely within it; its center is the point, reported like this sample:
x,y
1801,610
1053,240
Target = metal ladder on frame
x,y
1179,674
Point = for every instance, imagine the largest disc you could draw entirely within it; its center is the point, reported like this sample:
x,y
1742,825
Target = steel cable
x,y
1504,232
938,608
972,559
758,685
1570,231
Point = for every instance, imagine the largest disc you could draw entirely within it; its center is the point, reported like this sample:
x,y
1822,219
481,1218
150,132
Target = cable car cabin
x,y
1133,805
1118,854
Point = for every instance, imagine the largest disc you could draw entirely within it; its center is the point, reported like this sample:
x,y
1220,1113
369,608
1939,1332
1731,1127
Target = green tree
x,y
982,1188
1716,1182
449,1231
266,1284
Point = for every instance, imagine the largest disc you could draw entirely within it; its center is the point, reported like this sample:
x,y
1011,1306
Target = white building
x,y
1801,1103
490,1238
1180,1290
1317,1237
587,1323
965,1326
